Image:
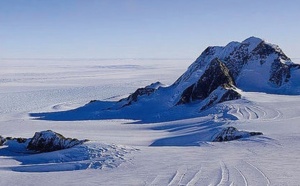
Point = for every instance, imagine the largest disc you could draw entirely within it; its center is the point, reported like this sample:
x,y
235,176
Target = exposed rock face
x,y
19,140
281,73
2,140
218,96
215,76
231,133
141,92
46,141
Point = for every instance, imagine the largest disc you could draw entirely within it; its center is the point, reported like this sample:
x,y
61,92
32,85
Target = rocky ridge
x,y
219,72
47,141
44,141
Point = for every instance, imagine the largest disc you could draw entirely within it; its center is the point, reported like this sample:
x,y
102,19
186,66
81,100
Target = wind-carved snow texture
x,y
215,173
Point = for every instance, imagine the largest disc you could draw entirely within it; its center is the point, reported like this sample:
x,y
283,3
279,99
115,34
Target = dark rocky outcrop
x,y
215,76
231,133
281,73
2,140
230,94
218,96
18,140
141,92
46,141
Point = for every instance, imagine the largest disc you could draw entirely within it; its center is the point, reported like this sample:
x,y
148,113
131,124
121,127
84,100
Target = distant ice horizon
x,y
187,61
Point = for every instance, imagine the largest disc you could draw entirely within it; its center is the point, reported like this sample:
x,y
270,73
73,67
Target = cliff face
x,y
216,76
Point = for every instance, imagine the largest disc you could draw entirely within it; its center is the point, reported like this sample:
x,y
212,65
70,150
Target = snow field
x,y
120,153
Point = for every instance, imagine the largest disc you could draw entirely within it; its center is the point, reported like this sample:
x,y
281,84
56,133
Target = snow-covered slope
x,y
252,65
219,74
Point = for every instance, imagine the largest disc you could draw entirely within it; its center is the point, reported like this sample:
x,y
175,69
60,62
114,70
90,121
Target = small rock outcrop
x,y
141,92
231,133
19,140
47,141
2,140
216,76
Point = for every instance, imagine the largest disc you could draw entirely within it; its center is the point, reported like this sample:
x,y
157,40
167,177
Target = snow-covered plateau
x,y
161,134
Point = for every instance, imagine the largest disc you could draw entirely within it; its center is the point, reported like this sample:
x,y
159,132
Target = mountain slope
x,y
218,75
254,64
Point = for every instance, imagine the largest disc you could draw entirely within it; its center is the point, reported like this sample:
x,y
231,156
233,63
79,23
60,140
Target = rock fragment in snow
x,y
47,141
231,133
2,140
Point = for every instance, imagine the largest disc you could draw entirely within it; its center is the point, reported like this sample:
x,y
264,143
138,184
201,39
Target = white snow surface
x,y
130,152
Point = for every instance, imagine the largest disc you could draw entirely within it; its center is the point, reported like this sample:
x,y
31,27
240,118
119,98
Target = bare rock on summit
x,y
47,141
231,133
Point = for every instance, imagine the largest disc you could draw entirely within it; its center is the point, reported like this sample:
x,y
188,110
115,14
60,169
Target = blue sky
x,y
141,28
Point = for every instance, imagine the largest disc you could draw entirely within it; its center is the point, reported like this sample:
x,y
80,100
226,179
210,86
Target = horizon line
x,y
87,58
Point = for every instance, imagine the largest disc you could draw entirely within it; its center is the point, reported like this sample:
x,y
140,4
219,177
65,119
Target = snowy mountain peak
x,y
252,42
254,64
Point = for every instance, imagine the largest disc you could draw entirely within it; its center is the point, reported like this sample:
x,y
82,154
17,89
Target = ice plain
x,y
30,86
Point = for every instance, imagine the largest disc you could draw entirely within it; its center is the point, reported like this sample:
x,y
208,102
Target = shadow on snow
x,y
186,125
